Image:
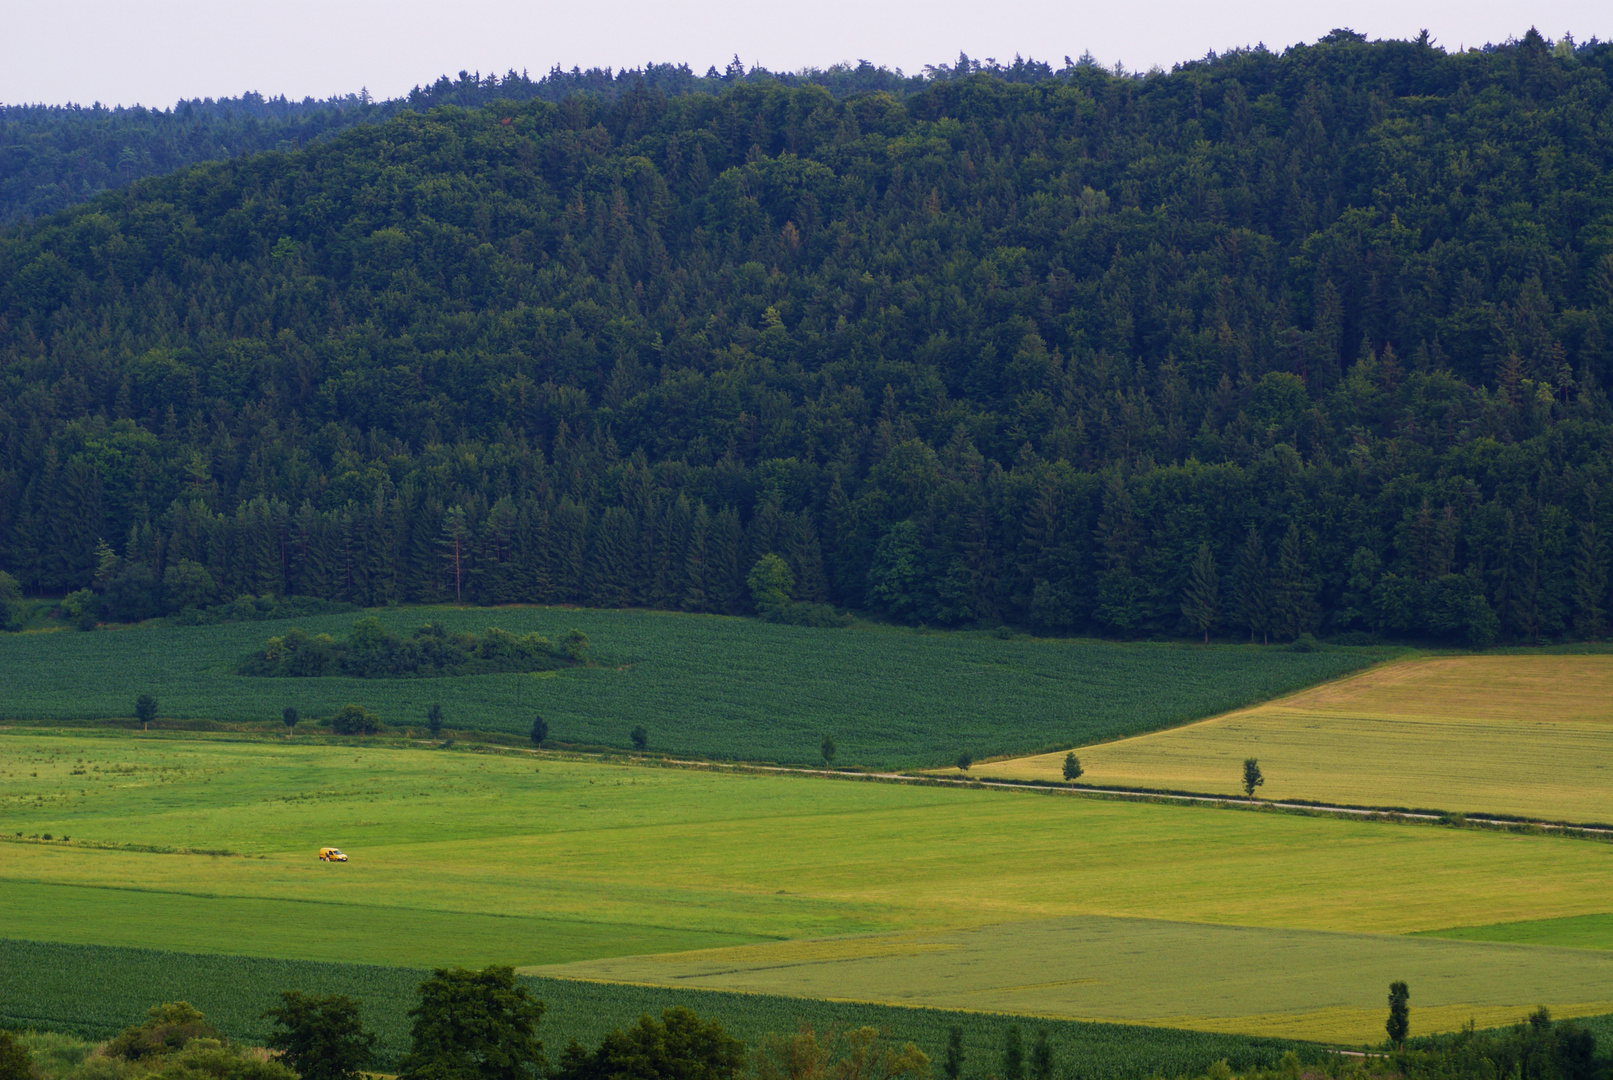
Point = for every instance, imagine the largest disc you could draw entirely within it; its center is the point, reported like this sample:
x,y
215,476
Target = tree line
x,y
1273,344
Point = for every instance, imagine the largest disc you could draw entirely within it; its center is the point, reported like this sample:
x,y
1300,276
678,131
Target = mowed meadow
x,y
711,686
206,844
1521,735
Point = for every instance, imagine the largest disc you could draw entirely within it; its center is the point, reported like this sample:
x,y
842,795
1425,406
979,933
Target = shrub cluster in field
x,y
372,651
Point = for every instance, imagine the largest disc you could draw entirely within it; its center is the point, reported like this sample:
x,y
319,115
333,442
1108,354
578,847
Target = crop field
x,y
1520,735
1300,983
206,844
702,685
94,991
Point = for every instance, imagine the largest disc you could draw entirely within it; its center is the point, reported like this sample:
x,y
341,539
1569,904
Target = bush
x,y
1306,642
822,616
372,651
356,720
168,1027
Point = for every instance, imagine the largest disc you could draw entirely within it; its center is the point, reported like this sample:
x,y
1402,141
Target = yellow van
x,y
330,854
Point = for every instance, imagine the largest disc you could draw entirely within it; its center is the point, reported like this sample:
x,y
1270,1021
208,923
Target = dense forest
x,y
53,156
1272,343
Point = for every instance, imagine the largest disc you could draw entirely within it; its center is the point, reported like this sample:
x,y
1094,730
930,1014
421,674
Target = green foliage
x,y
474,1025
145,708
434,718
1252,777
963,761
1398,1025
11,610
828,750
15,1061
167,1028
356,720
539,732
289,717
947,366
374,652
891,697
321,1036
1072,767
679,1046
639,736
1537,1049
770,583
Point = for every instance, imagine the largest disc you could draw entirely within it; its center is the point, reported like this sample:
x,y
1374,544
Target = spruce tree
x,y
1013,1054
1294,597
1201,601
1041,1057
1252,587
952,1064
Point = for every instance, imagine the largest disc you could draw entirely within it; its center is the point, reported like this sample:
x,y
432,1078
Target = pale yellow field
x,y
1294,983
1526,735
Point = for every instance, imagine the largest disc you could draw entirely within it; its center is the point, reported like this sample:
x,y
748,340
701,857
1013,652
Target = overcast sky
x,y
156,52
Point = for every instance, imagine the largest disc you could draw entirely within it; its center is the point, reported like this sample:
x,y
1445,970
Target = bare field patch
x,y
1521,735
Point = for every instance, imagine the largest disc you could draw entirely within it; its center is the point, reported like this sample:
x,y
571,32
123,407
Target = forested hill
x,y
1342,316
53,156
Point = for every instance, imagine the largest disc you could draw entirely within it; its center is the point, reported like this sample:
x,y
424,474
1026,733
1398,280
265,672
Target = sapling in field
x,y
540,730
289,717
640,736
1072,767
434,719
828,749
145,710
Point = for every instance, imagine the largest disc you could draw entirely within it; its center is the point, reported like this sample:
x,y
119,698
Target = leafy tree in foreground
x,y
1252,777
540,730
828,750
964,761
859,1054
1202,600
14,1059
167,1028
321,1037
1072,766
640,736
474,1025
145,709
679,1046
1399,1023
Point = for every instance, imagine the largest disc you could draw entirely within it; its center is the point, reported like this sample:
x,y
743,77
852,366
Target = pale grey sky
x,y
158,51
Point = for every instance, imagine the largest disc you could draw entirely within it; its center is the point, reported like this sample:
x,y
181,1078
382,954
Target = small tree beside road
x,y
1072,767
1251,776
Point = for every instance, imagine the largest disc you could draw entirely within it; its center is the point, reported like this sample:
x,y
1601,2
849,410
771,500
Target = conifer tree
x,y
1252,588
1201,601
1294,594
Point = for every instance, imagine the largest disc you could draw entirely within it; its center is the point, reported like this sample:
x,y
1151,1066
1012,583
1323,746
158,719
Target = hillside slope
x,y
1335,324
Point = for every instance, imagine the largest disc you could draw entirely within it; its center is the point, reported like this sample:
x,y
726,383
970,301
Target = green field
x,y
1425,732
1572,932
206,844
1303,983
703,685
94,991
